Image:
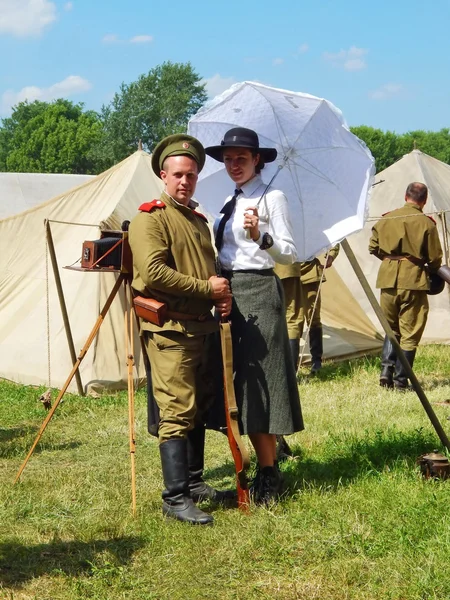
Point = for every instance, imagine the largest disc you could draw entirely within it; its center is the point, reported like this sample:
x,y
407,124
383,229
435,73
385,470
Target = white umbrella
x,y
324,170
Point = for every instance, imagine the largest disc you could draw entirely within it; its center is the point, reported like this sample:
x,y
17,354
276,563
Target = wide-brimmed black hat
x,y
241,137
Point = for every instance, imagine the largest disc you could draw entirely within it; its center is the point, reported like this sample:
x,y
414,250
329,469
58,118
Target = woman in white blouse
x,y
254,233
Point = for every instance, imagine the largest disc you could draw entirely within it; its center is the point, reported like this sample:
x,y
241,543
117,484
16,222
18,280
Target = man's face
x,y
180,176
240,164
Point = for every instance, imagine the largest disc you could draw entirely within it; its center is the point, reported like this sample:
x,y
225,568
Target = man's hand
x,y
329,262
220,287
223,306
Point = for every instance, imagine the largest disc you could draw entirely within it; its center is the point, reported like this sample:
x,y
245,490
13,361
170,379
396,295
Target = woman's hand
x,y
251,222
223,306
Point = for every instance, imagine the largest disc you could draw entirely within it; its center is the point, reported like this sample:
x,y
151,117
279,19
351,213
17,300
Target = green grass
x,y
357,521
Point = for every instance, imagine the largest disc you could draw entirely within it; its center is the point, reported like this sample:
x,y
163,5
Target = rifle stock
x,y
238,449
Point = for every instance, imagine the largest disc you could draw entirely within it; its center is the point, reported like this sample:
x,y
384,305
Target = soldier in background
x,y
407,243
301,283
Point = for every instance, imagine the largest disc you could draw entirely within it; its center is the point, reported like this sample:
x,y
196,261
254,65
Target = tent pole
x,y
399,352
82,354
62,303
129,350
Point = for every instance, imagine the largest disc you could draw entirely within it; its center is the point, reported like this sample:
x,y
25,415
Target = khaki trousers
x,y
406,312
299,301
182,380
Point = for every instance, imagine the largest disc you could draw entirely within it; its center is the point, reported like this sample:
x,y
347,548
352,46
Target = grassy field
x,y
358,521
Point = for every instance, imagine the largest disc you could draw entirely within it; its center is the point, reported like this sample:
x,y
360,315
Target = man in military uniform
x,y
407,243
301,283
174,263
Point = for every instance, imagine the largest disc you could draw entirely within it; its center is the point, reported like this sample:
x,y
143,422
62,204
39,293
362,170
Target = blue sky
x,y
384,64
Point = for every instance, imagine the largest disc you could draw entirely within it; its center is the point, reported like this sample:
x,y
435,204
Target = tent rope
x,y
308,325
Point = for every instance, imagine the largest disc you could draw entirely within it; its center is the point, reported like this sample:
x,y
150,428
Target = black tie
x,y
227,211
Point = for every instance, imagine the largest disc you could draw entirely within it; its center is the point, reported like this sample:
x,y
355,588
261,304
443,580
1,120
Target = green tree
x,y
156,105
383,145
56,137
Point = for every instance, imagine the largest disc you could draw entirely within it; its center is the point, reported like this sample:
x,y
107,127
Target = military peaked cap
x,y
177,145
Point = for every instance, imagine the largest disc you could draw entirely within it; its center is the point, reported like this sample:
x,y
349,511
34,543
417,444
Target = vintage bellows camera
x,y
111,251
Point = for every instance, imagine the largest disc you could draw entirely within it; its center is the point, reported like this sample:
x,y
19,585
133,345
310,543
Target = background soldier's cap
x,y
177,145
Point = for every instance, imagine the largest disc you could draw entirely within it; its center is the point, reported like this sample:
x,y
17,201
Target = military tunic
x,y
173,259
405,240
301,285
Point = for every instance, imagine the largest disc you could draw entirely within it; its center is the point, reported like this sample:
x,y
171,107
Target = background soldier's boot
x,y
400,376
316,348
283,449
295,351
388,360
200,490
177,502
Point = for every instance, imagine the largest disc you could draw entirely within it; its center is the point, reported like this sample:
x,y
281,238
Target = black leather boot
x,y
316,348
200,490
400,376
270,485
177,502
295,351
388,360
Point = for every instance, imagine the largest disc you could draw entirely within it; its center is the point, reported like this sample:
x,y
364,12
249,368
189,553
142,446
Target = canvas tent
x,y
386,196
102,202
21,191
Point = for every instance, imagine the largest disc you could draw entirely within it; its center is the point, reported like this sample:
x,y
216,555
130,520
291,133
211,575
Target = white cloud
x,y
74,84
277,61
386,91
350,60
216,84
141,39
68,6
303,48
26,17
112,38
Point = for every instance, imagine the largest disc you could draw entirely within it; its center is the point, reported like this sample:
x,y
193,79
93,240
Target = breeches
x,y
182,380
299,301
406,312
293,299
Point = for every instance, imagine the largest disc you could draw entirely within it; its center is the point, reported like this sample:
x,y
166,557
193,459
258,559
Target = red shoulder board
x,y
431,219
149,206
200,215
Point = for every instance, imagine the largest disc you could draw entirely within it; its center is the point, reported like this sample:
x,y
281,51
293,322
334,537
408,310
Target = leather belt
x,y
179,316
416,261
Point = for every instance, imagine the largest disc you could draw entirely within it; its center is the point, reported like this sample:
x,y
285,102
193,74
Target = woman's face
x,y
240,164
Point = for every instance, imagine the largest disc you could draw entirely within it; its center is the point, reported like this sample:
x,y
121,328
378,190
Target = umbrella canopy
x,y
324,170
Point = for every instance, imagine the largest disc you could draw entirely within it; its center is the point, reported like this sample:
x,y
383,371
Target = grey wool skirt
x,y
265,379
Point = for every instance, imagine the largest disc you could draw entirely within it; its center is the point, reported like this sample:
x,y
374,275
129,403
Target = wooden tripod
x,y
129,322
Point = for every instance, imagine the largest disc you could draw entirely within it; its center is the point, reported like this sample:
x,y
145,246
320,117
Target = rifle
x,y
238,449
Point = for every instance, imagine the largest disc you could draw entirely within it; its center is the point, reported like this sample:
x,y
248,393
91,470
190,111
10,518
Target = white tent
x,y
103,202
387,195
21,191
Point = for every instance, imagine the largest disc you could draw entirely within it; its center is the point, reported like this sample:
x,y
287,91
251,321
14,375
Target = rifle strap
x,y
233,412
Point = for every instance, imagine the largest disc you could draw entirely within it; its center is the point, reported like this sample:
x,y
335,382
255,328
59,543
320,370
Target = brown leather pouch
x,y
150,310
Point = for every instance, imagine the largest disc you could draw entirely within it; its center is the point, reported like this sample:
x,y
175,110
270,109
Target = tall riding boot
x,y
400,376
388,360
177,502
200,490
295,351
316,348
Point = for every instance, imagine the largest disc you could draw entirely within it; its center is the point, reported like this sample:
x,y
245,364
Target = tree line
x,y
63,137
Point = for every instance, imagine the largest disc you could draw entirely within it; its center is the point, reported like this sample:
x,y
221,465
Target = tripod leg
x,y
129,345
63,390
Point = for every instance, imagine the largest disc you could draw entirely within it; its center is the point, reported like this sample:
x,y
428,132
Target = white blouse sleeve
x,y
283,250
